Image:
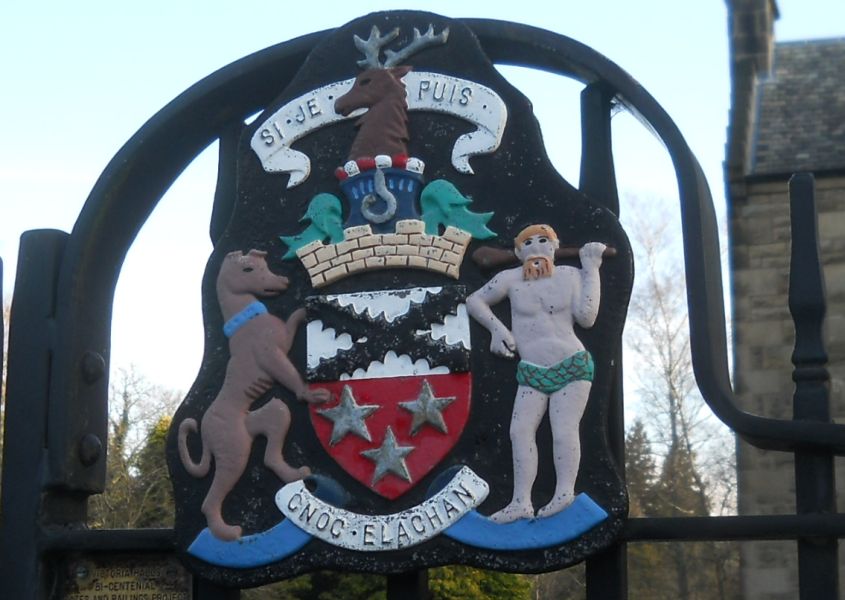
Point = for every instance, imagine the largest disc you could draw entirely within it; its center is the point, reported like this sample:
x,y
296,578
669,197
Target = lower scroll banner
x,y
450,511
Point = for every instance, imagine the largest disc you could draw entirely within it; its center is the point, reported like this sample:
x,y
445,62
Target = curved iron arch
x,y
139,174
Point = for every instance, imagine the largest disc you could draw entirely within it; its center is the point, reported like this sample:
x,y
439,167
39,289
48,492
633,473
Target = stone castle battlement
x,y
408,247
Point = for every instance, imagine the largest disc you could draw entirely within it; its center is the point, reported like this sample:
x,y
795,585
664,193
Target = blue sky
x,y
80,78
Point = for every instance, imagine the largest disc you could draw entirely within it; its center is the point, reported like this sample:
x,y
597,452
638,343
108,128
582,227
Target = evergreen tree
x,y
640,471
673,570
677,497
445,583
646,571
331,585
151,481
465,583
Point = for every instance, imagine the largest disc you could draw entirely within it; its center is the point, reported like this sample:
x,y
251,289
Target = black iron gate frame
x,y
59,338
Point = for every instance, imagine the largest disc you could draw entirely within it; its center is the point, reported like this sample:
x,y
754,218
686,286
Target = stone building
x,y
787,115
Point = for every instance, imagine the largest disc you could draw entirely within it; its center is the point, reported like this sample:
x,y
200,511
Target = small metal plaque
x,y
130,577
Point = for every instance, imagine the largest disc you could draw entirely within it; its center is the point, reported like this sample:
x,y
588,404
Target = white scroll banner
x,y
426,91
373,533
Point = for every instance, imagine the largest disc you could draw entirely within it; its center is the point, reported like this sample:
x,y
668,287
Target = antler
x,y
419,42
371,47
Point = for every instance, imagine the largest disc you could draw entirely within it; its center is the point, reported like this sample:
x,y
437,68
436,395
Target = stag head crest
x,y
371,47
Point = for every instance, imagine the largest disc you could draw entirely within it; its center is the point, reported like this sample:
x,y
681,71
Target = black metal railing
x,y
56,413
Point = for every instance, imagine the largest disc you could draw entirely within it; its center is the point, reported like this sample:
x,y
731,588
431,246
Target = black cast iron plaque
x,y
125,577
411,322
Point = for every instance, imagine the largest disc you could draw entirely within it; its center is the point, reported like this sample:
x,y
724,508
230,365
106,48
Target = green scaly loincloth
x,y
548,380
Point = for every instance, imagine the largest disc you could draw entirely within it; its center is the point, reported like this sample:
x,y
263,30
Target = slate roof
x,y
800,122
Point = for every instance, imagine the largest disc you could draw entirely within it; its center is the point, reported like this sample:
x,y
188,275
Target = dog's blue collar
x,y
251,311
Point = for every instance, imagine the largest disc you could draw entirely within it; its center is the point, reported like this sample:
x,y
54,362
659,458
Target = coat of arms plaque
x,y
411,322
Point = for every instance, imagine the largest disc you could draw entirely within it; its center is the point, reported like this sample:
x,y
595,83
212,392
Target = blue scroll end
x,y
526,534
328,490
257,550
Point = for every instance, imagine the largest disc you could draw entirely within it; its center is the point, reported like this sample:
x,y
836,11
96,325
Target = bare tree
x,y
658,337
698,473
136,487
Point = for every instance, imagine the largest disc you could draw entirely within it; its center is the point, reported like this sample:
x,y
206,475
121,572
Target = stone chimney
x,y
751,34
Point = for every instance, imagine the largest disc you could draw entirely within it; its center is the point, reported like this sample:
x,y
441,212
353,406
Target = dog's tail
x,y
199,469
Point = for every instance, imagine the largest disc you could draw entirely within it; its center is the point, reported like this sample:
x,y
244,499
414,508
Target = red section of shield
x,y
430,446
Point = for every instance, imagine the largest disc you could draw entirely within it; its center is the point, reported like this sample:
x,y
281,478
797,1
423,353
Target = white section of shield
x,y
324,343
435,92
454,329
373,533
388,305
394,365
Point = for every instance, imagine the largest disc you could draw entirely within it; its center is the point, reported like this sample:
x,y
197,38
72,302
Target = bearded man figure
x,y
555,370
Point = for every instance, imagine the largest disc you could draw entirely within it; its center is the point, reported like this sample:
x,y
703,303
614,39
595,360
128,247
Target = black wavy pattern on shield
x,y
383,336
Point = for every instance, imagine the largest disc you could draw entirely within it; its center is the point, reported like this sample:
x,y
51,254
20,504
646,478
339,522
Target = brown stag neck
x,y
383,129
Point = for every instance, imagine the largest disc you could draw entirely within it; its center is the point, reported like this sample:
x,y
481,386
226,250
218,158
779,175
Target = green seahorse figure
x,y
326,215
442,205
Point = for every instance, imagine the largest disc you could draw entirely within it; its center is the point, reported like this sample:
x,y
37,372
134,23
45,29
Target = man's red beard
x,y
536,267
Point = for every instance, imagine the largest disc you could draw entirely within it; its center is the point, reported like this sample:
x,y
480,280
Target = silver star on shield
x,y
427,409
349,417
389,458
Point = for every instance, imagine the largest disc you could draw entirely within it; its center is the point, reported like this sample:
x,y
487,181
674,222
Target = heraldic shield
x,y
411,323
